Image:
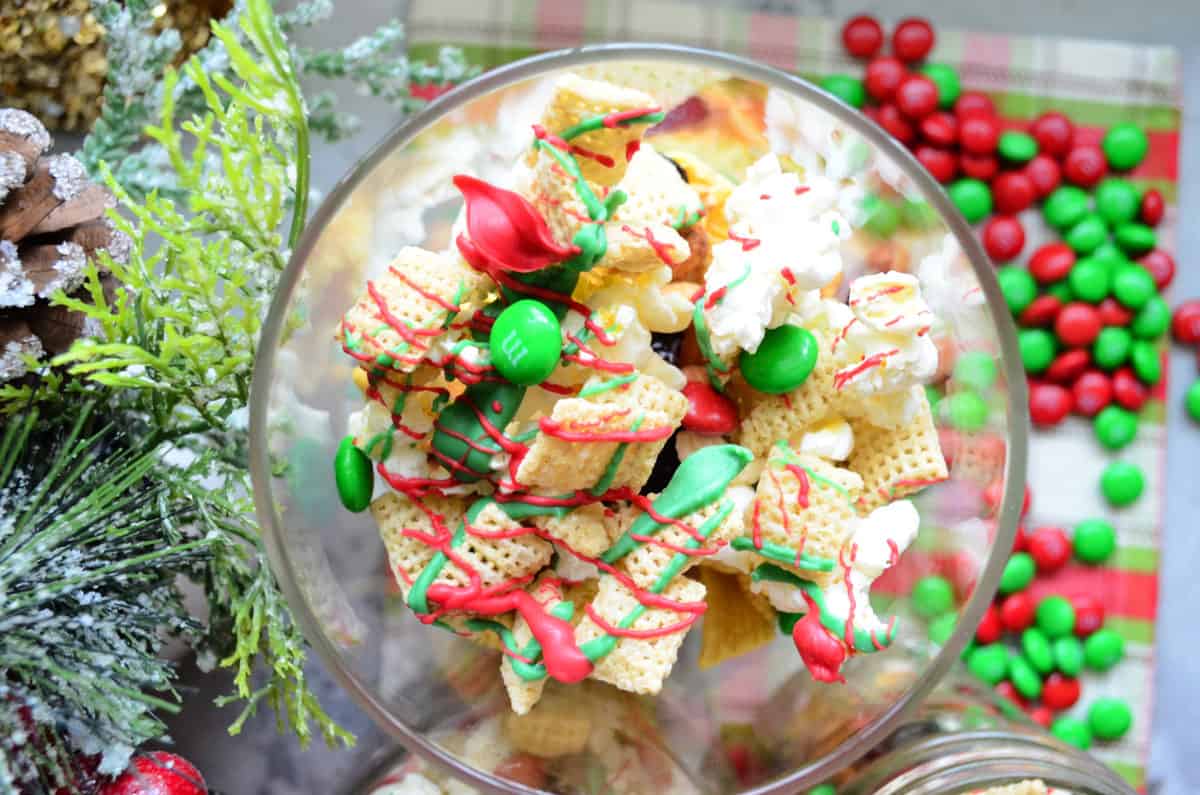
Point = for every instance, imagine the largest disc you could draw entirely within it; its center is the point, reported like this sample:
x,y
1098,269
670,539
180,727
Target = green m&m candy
x,y
976,369
1147,364
1018,573
1135,238
846,88
1103,649
1111,348
1068,655
526,342
919,214
941,628
1191,400
932,596
967,410
823,789
1062,291
1122,483
1024,678
1095,540
946,80
1125,146
353,475
1115,427
989,663
1109,718
1089,280
972,197
1018,287
882,217
1133,286
1036,648
1086,234
1152,320
1117,201
1072,731
1055,616
1017,147
1037,348
1066,206
784,359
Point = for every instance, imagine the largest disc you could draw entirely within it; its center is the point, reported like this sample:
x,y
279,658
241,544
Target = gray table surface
x,y
260,761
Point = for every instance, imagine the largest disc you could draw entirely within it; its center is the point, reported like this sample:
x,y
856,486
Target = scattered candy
x,y
932,596
1078,324
1152,320
1092,391
1051,262
1024,677
862,36
353,475
1084,165
942,164
1122,483
1112,347
1192,400
1153,207
1086,235
1060,691
941,628
1042,716
1003,236
1125,146
1037,349
947,82
1042,312
1133,286
784,359
1013,191
973,199
1185,322
1115,427
1135,238
1016,611
983,167
940,129
974,103
1072,731
1069,365
526,342
1095,540
1053,132
979,135
1109,718
976,369
891,119
846,88
989,663
1113,314
1037,650
882,77
1018,288
1055,616
1089,614
1068,655
1017,147
912,39
1050,548
1103,649
1117,201
1049,404
1147,364
1018,573
1128,391
1161,266
1045,174
1065,206
916,96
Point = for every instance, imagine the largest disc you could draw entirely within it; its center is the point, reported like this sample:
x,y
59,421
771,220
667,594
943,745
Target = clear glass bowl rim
x,y
274,531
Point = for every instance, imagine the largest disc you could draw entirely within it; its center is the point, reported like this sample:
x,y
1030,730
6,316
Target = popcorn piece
x,y
397,319
577,99
639,665
736,621
897,462
608,417
831,438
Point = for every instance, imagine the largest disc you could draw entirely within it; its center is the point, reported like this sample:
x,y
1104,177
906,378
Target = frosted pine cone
x,y
52,221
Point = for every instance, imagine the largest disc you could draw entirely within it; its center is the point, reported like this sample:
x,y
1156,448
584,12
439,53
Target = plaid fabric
x,y
1096,83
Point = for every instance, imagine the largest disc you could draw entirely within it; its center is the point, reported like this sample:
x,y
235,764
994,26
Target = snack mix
x,y
547,483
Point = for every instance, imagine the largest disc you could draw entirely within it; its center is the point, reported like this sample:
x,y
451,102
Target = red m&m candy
x,y
995,491
1041,313
1089,614
1020,539
709,412
1053,132
1008,690
1128,390
1153,207
940,129
891,119
882,77
979,134
973,103
990,628
1093,391
1016,611
1041,714
1003,237
1068,366
1052,262
1045,174
941,163
862,36
1185,322
1111,313
1085,165
1049,404
1050,548
1013,192
912,39
916,96
982,167
1161,266
1078,324
1060,692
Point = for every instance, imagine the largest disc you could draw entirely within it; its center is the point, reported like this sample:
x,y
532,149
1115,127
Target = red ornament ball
x,y
990,629
1049,404
1012,192
1089,613
1185,322
1085,165
1093,391
1060,692
1078,324
1128,390
862,36
1045,174
900,128
916,96
940,129
1017,611
979,134
158,773
1041,312
1153,207
1161,266
912,39
1052,262
973,103
983,167
1053,132
883,76
1112,313
1003,238
1050,548
941,163
1068,366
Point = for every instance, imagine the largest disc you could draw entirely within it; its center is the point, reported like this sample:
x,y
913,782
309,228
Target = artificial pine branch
x,y
92,538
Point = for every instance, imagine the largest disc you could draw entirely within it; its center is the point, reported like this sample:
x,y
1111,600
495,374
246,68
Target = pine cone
x,y
52,221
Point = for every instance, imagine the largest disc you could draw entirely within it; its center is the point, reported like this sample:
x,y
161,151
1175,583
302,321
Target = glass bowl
x,y
757,723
